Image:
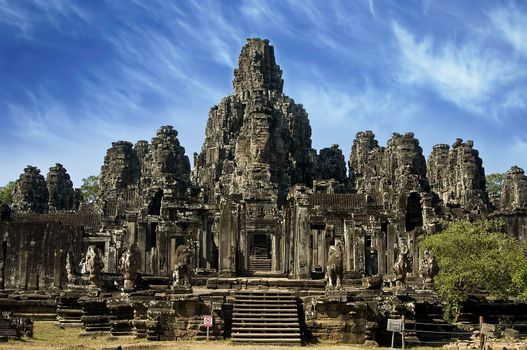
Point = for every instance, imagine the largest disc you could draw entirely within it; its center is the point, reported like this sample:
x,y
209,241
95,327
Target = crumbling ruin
x,y
261,208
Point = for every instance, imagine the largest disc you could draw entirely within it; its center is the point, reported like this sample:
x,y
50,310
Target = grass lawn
x,y
48,336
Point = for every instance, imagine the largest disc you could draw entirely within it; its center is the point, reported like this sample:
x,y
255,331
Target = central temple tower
x,y
257,145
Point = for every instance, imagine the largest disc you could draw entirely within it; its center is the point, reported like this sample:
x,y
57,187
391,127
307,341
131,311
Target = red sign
x,y
207,320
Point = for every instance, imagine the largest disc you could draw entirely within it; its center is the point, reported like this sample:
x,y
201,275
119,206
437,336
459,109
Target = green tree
x,y
495,183
475,258
90,188
6,193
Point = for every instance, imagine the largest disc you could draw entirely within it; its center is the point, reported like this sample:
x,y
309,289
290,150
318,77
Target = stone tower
x,y
31,193
257,140
60,188
457,176
257,145
514,193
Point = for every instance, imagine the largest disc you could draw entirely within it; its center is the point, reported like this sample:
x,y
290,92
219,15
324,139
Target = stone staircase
x,y
259,264
265,317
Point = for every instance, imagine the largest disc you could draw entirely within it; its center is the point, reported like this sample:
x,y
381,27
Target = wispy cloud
x,y
355,108
512,25
27,20
465,74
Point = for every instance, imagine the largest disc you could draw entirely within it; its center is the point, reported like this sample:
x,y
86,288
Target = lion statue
x,y
182,268
129,264
428,267
403,265
94,265
335,267
71,274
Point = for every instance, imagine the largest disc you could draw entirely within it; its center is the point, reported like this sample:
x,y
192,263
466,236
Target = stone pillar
x,y
322,249
173,247
359,249
3,267
348,245
58,265
381,252
314,239
131,228
303,231
275,251
112,259
243,252
163,244
141,246
227,238
23,281
391,240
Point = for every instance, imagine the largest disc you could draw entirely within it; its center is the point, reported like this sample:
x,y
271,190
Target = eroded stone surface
x,y
60,188
31,193
457,176
514,192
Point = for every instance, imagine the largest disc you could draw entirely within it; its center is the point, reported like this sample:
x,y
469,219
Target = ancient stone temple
x,y
261,209
257,145
30,193
60,189
458,177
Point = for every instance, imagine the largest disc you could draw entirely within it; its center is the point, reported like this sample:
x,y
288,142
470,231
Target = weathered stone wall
x,y
60,188
165,162
118,183
257,130
457,176
36,252
335,320
514,192
30,192
332,165
133,177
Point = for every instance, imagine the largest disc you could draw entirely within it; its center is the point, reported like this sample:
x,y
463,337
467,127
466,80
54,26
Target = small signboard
x,y
207,320
488,330
394,325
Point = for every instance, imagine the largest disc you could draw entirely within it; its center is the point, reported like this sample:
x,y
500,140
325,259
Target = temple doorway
x,y
260,252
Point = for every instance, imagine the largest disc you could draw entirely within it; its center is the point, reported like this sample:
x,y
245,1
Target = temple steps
x,y
265,317
260,264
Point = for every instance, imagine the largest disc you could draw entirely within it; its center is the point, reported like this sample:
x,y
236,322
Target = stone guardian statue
x,y
335,267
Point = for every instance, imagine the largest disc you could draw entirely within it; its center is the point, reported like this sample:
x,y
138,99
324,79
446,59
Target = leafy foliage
x,y
90,188
495,183
475,258
6,193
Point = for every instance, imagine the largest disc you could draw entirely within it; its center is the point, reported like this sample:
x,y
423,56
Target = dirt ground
x,y
48,336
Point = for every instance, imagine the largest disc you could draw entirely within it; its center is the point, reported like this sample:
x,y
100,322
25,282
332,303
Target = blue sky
x,y
77,75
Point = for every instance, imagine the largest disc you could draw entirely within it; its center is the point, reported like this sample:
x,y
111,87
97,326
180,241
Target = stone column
x,y
131,228
3,265
274,257
303,231
172,255
227,238
58,265
381,252
141,245
244,251
359,249
322,249
315,248
348,245
23,282
390,245
163,244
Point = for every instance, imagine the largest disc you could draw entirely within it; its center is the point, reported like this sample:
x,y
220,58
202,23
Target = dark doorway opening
x,y
154,207
260,252
414,213
152,237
